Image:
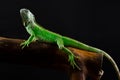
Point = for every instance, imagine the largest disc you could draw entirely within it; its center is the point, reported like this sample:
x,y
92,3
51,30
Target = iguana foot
x,y
71,59
24,44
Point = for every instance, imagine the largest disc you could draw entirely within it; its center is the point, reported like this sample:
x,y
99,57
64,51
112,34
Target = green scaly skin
x,y
37,32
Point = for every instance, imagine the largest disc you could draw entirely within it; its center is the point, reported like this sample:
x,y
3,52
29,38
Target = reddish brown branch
x,y
49,56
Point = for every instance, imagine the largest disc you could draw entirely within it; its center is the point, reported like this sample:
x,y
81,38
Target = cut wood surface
x,y
46,55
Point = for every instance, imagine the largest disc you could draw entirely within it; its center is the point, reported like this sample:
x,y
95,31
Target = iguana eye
x,y
27,23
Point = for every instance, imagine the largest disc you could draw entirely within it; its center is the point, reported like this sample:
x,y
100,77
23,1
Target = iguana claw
x,y
24,44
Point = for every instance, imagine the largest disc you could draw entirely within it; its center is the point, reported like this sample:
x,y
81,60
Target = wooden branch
x,y
46,55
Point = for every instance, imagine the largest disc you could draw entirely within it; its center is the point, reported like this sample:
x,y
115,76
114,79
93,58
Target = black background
x,y
93,22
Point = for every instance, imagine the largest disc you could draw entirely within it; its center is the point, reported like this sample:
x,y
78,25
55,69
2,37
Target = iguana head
x,y
27,17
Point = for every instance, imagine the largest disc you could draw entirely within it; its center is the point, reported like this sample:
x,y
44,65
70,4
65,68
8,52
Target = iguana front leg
x,y
27,42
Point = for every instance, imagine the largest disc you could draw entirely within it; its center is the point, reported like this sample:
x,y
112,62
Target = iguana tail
x,y
80,45
113,63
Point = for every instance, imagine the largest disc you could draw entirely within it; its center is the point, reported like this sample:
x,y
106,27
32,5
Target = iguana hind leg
x,y
71,56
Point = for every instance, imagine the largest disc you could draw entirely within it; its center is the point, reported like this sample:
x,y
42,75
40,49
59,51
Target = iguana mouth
x,y
24,16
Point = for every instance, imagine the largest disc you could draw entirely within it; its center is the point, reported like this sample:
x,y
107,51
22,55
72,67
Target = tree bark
x,y
45,55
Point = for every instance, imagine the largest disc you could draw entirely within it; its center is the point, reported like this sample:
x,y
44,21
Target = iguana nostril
x,y
24,10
